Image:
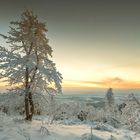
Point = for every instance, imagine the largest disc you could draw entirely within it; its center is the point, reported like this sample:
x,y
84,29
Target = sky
x,y
96,43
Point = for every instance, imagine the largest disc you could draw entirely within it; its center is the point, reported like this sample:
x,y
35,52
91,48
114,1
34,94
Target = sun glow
x,y
114,83
79,84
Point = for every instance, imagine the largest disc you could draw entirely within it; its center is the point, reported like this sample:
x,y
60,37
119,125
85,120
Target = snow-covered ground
x,y
15,128
73,120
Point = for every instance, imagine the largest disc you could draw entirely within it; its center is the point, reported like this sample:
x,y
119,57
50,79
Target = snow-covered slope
x,y
17,129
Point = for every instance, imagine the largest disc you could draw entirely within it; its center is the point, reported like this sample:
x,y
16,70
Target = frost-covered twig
x,y
44,130
23,133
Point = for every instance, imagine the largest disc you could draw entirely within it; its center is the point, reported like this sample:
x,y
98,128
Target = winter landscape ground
x,y
55,125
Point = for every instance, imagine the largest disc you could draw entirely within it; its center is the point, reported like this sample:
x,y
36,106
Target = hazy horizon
x,y
80,90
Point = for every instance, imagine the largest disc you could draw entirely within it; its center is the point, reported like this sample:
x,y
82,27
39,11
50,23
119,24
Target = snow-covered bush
x,y
99,115
42,103
87,112
131,112
12,102
128,112
109,114
66,110
103,127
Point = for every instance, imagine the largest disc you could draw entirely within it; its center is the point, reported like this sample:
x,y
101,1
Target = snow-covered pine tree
x,y
27,63
109,97
109,102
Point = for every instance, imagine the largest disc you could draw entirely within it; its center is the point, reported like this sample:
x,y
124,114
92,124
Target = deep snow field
x,y
99,125
14,128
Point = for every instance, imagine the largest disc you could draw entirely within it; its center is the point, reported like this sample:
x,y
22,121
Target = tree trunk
x,y
29,106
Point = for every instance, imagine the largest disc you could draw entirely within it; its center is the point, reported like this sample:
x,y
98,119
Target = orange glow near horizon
x,y
104,84
114,83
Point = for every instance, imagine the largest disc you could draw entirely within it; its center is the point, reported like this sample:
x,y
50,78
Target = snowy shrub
x,y
128,112
99,115
103,127
87,113
82,115
66,110
109,114
131,113
114,122
41,103
75,110
44,131
12,103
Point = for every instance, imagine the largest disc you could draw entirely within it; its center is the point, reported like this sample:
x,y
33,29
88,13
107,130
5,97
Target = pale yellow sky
x,y
90,64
